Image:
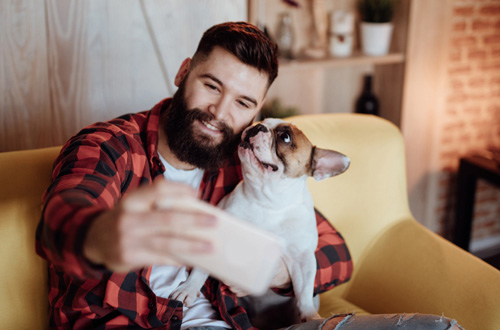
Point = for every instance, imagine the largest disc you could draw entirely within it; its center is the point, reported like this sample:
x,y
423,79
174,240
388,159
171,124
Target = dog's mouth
x,y
245,144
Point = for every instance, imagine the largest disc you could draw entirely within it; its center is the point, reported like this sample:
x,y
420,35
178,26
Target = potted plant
x,y
276,109
376,26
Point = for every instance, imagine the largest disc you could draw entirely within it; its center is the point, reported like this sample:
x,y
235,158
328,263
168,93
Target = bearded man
x,y
110,248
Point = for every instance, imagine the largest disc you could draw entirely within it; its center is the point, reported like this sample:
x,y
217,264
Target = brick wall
x,y
472,112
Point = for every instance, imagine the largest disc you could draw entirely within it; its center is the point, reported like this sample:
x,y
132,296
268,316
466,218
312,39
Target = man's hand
x,y
136,233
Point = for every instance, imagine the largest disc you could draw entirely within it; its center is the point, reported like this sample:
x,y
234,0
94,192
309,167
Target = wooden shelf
x,y
336,62
332,84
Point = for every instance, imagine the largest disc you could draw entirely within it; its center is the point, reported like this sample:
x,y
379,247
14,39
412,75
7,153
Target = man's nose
x,y
220,109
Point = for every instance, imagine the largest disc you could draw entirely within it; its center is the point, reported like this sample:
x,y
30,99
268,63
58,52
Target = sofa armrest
x,y
410,269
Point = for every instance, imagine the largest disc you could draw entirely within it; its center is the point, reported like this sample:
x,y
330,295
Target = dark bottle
x,y
367,102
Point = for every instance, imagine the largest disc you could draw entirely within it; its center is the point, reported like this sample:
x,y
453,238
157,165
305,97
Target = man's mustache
x,y
197,114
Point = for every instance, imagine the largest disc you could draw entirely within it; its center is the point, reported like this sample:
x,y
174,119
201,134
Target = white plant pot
x,y
376,38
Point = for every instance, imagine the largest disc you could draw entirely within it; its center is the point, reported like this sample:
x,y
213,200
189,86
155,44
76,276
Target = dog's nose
x,y
252,131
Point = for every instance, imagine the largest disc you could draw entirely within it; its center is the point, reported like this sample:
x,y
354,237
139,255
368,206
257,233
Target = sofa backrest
x,y
24,175
372,194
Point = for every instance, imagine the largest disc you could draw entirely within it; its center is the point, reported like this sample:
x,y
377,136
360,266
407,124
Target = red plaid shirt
x,y
93,171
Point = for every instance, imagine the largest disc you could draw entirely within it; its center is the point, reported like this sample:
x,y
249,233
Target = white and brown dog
x,y
276,159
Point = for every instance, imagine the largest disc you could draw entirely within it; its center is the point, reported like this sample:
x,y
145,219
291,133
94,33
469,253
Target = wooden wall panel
x,y
68,64
24,94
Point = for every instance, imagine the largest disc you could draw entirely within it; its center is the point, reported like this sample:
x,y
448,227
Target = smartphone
x,y
244,255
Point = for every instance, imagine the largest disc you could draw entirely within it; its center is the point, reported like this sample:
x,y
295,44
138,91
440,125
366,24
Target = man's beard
x,y
194,147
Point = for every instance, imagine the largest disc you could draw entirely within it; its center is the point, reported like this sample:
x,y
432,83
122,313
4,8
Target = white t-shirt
x,y
165,279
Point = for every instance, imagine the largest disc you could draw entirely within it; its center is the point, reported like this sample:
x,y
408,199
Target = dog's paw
x,y
186,294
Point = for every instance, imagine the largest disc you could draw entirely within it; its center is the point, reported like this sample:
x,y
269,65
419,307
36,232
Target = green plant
x,y
275,109
376,11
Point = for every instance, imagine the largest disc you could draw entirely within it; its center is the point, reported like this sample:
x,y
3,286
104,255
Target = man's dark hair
x,y
245,41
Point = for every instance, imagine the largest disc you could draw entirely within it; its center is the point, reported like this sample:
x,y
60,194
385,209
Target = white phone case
x,y
244,256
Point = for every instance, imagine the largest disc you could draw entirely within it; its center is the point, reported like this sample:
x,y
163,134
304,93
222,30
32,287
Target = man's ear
x,y
183,71
327,163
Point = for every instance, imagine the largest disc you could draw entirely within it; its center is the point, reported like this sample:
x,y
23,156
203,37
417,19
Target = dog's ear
x,y
327,163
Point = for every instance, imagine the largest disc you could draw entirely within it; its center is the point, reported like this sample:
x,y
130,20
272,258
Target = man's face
x,y
216,100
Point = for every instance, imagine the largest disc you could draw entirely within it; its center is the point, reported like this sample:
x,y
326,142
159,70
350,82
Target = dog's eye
x,y
285,137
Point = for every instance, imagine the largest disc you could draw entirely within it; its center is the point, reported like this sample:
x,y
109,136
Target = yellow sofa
x,y
399,266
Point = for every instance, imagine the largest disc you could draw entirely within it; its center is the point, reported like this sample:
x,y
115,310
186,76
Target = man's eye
x,y
210,86
285,137
243,104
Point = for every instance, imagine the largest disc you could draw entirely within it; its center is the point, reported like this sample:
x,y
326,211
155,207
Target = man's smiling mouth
x,y
210,126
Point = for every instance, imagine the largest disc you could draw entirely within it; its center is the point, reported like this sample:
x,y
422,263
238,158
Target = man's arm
x,y
85,183
87,227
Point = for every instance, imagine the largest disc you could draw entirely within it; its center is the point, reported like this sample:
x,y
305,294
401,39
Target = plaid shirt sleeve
x,y
88,177
94,169
334,264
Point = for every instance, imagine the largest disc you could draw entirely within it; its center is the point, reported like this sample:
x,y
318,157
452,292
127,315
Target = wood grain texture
x,y
24,93
66,63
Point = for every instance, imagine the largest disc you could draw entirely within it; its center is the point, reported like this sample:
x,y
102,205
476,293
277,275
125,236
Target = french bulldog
x,y
276,160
